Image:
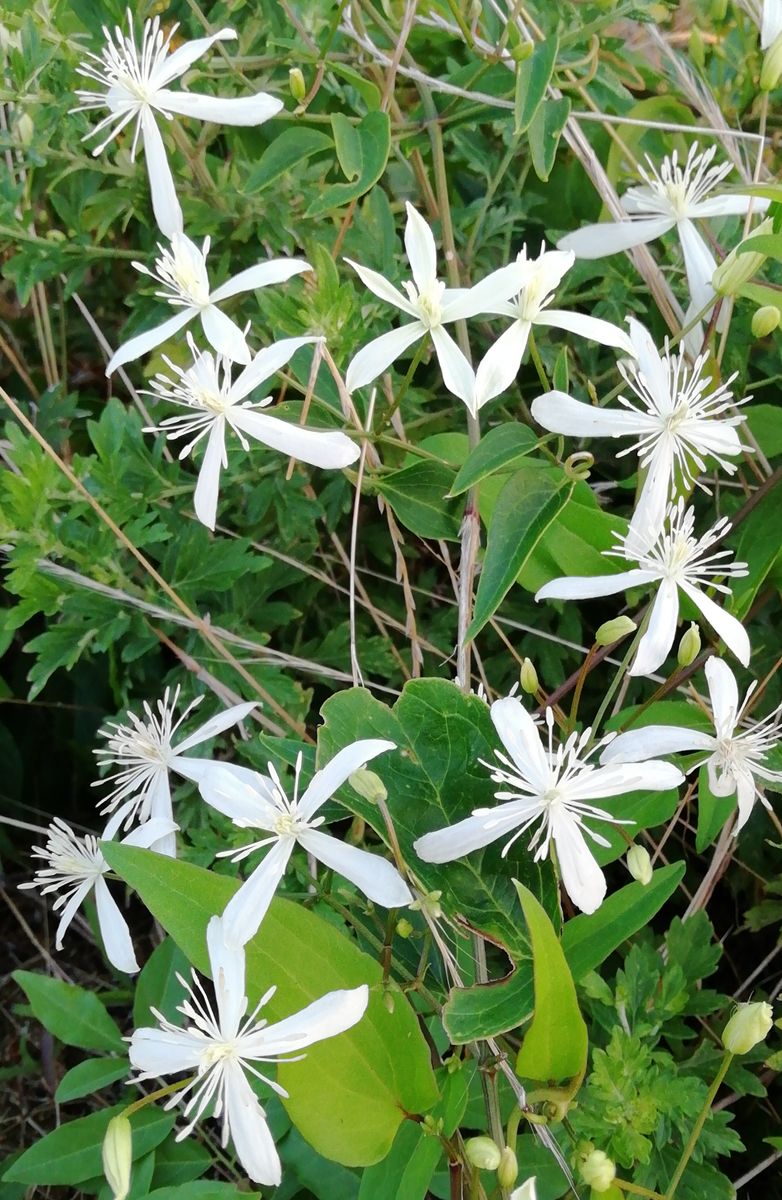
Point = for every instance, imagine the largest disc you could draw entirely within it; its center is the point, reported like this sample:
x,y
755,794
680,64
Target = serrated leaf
x,y
71,1013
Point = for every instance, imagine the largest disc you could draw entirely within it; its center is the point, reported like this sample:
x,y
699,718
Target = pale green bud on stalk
x,y
522,51
483,1152
508,1170
368,784
749,1025
404,928
117,1155
718,10
689,646
429,905
597,1170
528,678
737,268
297,85
25,129
772,66
765,320
697,48
639,864
614,630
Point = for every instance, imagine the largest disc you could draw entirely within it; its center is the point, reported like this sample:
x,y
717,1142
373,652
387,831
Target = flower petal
x,y
489,295
745,795
240,110
165,204
246,909
473,833
609,237
594,328
728,206
380,287
500,365
458,375
649,515
243,795
114,930
330,778
70,909
249,1131
184,56
656,643
699,263
650,366
724,696
158,1052
421,250
227,965
319,447
143,342
587,587
582,878
653,741
732,632
521,738
375,876
374,358
216,724
771,22
276,270
327,1017
265,364
614,779
208,486
224,335
561,413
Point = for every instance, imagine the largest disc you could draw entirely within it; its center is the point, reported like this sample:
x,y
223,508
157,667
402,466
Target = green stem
x,y
635,1189
620,673
538,362
693,1138
151,1097
411,370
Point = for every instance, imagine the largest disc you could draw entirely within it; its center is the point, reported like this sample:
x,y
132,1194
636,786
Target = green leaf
x,y
71,1013
525,509
544,134
326,1180
418,494
713,812
762,243
289,148
500,449
758,546
407,1171
202,1189
348,145
533,76
350,1093
374,143
554,1050
157,985
89,1077
180,1162
765,422
72,1153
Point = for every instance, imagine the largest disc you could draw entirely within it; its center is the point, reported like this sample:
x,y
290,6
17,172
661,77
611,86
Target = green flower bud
x,y
368,784
528,678
25,129
696,48
639,864
508,1170
298,87
738,267
614,630
522,51
765,320
718,10
689,646
117,1155
597,1170
772,66
483,1152
404,928
429,904
749,1025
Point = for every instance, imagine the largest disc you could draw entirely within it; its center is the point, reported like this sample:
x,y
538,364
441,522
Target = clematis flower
x,y
431,305
259,802
672,197
76,867
553,788
215,403
144,752
540,277
676,561
679,422
136,82
220,1043
181,271
735,758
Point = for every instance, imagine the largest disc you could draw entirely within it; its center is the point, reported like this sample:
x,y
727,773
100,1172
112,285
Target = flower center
x,y
676,193
217,1052
287,825
677,418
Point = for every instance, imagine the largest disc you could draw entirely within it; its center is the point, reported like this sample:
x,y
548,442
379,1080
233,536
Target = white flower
x,y
539,279
259,802
767,15
736,757
527,1191
680,420
554,787
672,197
182,273
677,560
431,305
215,402
144,752
136,81
77,866
221,1044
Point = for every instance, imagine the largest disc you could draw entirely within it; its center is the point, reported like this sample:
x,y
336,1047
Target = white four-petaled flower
x,y
136,79
221,1044
735,757
259,802
680,421
677,560
214,403
182,273
554,788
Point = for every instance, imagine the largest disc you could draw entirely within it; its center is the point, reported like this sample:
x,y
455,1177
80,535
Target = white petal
x,y
319,447
500,365
379,285
114,930
458,375
771,22
649,515
208,485
71,908
224,335
582,878
150,833
331,777
489,295
746,795
527,1191
374,876
721,782
227,965
445,845
159,1052
243,795
521,738
561,413
265,364
724,696
653,741
242,110
656,643
421,250
332,1014
699,264
713,437
598,241
184,56
250,1134
245,910
614,779
594,328
732,632
729,206
276,270
216,724
374,358
587,587
650,366
143,342
165,205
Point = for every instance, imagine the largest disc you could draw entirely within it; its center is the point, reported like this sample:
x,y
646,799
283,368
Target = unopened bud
x,y
25,129
388,1002
117,1155
639,864
696,48
614,630
765,320
772,66
483,1152
738,267
718,10
404,928
522,51
528,678
298,88
689,646
368,784
749,1025
597,1170
429,904
508,1170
